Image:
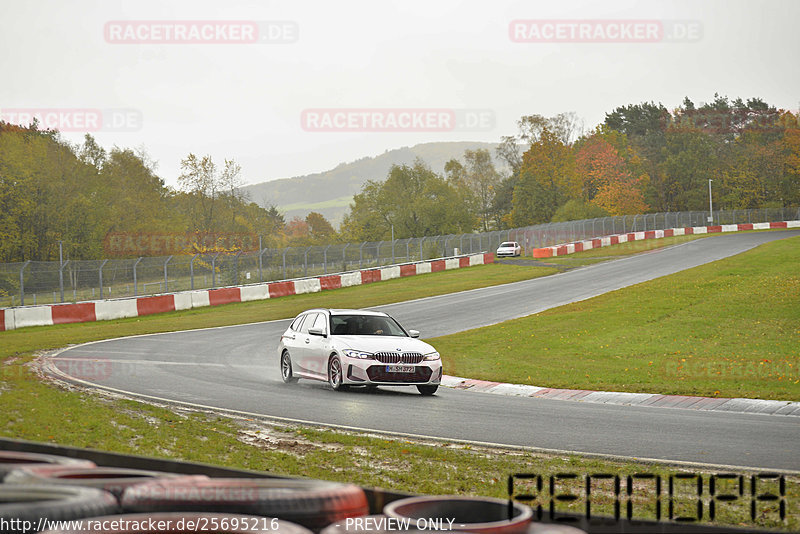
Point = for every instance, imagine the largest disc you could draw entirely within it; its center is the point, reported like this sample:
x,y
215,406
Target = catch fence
x,y
48,282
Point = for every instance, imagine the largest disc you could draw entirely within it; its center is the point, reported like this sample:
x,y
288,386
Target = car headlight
x,y
432,356
360,354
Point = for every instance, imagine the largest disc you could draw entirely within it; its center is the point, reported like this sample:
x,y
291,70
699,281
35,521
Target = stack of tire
x,y
120,500
36,486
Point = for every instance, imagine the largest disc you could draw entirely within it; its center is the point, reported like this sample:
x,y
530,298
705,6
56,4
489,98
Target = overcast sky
x,y
249,101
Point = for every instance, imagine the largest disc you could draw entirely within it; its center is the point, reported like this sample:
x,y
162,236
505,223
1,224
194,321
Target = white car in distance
x,y
509,248
357,348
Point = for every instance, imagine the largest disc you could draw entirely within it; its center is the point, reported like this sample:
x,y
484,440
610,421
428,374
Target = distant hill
x,y
330,192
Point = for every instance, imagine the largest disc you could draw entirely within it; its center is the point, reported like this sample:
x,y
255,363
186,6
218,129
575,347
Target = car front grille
x,y
397,357
377,373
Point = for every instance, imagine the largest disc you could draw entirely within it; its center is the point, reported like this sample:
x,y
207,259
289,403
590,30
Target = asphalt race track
x,y
236,368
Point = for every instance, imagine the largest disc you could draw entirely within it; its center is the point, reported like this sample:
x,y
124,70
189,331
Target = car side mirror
x,y
317,332
413,333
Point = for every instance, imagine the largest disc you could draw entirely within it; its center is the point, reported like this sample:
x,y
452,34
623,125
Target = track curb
x,y
650,400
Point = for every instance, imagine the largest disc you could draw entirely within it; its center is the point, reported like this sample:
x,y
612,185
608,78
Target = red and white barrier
x,y
580,246
104,310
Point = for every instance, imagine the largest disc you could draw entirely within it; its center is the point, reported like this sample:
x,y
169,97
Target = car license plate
x,y
399,369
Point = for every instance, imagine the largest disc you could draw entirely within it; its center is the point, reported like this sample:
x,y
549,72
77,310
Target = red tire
x,y
10,460
114,480
311,503
188,522
32,503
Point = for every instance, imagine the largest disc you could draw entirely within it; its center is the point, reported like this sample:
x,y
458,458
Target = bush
x,y
575,210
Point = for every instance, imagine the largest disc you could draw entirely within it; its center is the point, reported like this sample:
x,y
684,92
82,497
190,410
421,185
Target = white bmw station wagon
x,y
357,348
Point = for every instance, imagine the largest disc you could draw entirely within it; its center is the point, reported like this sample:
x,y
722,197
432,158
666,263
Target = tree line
x,y
642,158
51,191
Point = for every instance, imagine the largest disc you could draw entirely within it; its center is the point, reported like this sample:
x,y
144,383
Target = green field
x,y
340,202
730,328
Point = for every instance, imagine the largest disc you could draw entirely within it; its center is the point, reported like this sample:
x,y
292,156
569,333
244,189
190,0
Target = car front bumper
x,y
373,372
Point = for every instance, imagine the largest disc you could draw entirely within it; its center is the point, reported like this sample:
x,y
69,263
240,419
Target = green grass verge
x,y
730,328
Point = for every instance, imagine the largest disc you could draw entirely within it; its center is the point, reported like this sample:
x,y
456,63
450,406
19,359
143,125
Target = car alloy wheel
x,y
286,368
335,374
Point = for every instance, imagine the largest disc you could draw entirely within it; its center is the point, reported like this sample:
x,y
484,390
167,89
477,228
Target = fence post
x,y
378,252
344,257
420,249
101,277
214,270
361,254
408,249
135,281
260,265
325,259
165,273
22,283
305,261
61,269
284,262
236,268
191,270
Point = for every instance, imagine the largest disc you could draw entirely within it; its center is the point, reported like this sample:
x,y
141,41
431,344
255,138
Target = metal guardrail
x,y
48,282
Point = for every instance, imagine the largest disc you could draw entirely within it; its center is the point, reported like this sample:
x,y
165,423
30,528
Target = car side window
x,y
297,322
310,319
321,322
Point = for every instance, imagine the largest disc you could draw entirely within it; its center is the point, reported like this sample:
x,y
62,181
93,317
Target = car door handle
x,y
308,340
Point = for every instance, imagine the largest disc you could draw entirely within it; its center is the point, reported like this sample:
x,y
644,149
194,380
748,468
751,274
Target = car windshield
x,y
507,245
365,325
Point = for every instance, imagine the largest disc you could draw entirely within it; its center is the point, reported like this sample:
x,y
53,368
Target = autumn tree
x,y
320,229
547,180
790,148
480,179
413,200
209,191
605,177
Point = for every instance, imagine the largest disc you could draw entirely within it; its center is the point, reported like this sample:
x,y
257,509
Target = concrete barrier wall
x,y
103,310
571,248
